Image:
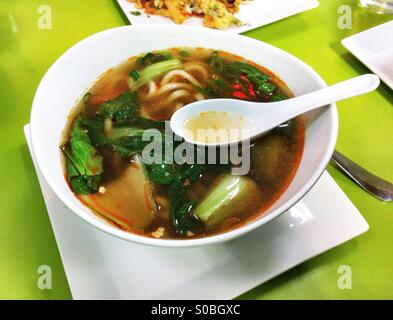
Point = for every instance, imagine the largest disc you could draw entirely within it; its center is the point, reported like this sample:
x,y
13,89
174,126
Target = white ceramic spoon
x,y
262,117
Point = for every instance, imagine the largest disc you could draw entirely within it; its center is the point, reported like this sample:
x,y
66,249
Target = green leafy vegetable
x,y
163,173
84,164
84,155
126,116
123,110
153,57
119,132
216,88
179,178
181,205
181,208
241,76
192,171
237,69
129,145
150,124
181,216
127,134
95,130
85,185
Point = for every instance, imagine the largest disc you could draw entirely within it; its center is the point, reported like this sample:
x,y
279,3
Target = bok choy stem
x,y
152,72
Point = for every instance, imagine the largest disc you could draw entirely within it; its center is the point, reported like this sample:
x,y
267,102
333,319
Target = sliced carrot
x,y
108,94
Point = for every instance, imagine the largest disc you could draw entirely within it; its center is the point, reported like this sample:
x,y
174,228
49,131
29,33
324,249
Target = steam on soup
x,y
105,140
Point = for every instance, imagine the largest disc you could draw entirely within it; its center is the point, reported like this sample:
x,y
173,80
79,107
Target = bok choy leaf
x,y
84,164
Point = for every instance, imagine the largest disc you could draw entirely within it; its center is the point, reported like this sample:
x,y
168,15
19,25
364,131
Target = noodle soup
x,y
103,146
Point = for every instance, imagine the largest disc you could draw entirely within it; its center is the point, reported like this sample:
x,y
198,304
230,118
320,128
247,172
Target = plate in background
x,y
374,47
255,13
100,266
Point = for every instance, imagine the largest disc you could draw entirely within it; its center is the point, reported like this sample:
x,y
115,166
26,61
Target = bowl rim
x,y
172,243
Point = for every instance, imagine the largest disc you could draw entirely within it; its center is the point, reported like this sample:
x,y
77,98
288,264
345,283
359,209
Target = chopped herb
x,y
184,54
135,75
86,98
136,13
278,97
153,57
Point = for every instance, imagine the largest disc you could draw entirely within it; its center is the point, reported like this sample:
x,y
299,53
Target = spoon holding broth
x,y
227,121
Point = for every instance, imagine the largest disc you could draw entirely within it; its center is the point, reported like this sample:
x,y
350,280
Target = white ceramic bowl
x,y
75,70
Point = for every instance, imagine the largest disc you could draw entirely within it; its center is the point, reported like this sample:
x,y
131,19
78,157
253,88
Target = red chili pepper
x,y
250,85
239,95
236,86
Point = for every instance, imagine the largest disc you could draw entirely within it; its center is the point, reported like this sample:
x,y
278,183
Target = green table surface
x,y
366,136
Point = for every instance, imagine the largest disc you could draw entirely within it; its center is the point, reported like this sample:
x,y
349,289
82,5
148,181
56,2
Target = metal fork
x,y
376,186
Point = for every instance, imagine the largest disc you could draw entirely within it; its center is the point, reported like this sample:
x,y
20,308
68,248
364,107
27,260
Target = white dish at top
x,y
374,47
254,14
76,70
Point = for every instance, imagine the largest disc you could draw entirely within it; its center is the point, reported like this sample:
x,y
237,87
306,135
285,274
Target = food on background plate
x,y
218,14
103,144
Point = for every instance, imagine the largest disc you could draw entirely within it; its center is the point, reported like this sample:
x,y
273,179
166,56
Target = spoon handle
x,y
337,92
378,187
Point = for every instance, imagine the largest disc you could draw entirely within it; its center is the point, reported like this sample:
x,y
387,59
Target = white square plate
x,y
254,14
99,266
374,47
